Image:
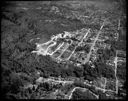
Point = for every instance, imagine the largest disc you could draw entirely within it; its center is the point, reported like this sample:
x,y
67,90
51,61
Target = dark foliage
x,y
90,73
121,71
78,72
20,66
82,95
104,70
79,83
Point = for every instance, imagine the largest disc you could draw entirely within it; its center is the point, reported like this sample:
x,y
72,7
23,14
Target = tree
x,y
78,94
79,83
78,71
15,82
104,70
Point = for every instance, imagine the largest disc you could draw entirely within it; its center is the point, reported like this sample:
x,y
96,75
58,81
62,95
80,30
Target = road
x,y
119,24
69,95
78,44
64,50
41,50
46,51
83,89
92,47
59,46
39,46
115,61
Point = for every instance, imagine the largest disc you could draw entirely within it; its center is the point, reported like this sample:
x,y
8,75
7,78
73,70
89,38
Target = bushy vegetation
x,y
82,95
19,66
121,71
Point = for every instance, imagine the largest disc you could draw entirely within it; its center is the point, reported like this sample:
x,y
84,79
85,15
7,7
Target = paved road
x,y
69,95
64,50
79,44
115,61
92,47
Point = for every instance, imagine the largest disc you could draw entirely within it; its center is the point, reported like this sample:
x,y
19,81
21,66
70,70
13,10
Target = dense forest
x,y
19,66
